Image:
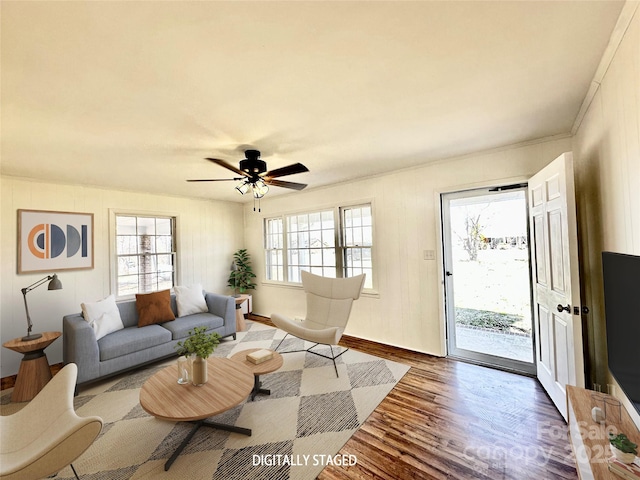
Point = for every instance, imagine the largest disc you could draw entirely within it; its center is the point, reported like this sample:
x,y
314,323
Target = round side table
x,y
34,372
241,325
260,369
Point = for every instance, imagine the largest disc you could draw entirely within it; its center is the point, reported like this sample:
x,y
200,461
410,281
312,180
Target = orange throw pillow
x,y
154,308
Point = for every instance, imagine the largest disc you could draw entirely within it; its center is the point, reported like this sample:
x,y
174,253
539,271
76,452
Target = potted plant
x,y
199,345
241,275
623,448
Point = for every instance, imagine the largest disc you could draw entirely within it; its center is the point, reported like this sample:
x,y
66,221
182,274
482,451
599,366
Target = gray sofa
x,y
132,346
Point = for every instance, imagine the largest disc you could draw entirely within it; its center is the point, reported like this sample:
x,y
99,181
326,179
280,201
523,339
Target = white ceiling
x,y
133,95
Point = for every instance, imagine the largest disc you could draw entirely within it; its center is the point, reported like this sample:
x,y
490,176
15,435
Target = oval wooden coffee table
x,y
263,368
229,384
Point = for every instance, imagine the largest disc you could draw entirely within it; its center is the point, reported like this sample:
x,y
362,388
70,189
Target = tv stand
x,y
589,440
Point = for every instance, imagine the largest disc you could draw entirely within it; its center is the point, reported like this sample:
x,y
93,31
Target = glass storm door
x,y
488,278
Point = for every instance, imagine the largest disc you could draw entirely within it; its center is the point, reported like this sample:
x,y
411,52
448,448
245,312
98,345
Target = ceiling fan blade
x,y
228,166
288,170
283,184
215,180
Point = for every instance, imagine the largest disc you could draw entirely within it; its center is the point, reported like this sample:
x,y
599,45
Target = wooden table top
x,y
17,345
262,368
240,299
229,384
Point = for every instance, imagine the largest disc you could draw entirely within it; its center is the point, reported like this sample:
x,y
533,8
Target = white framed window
x,y
273,251
357,242
335,242
310,243
145,253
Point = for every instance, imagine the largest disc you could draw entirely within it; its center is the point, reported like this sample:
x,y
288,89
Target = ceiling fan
x,y
254,176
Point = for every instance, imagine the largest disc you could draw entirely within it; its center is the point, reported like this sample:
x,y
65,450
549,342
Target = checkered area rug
x,y
296,431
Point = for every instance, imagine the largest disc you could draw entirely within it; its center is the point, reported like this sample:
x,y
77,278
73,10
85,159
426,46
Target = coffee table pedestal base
x,y
203,423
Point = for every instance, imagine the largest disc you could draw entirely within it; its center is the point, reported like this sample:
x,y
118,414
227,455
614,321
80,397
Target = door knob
x,y
564,309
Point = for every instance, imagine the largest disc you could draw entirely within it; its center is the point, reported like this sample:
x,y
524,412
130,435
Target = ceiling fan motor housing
x,y
252,164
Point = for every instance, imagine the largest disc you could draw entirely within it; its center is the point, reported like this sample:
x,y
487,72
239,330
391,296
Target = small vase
x,y
199,371
183,370
624,457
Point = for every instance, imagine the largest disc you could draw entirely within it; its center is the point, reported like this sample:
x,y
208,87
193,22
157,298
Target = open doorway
x,y
488,278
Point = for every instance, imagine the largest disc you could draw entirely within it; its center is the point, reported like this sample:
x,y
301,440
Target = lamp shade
x,y
55,283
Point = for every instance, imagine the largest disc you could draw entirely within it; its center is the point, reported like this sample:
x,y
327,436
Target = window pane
x,y
148,282
303,240
126,245
163,226
163,244
315,221
146,244
127,265
146,226
315,256
294,274
303,222
127,284
329,258
125,225
315,239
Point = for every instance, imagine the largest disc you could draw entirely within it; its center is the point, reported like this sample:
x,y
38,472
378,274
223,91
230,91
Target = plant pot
x,y
622,456
199,371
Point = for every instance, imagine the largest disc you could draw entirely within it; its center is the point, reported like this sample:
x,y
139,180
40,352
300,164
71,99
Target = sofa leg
x,y
234,336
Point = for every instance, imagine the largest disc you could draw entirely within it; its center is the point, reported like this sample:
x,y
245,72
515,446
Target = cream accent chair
x,y
46,435
329,302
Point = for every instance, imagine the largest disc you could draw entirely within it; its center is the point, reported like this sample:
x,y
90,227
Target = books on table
x,y
630,471
260,356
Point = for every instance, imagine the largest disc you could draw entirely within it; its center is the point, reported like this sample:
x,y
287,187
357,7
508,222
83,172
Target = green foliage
x,y
622,443
199,343
241,277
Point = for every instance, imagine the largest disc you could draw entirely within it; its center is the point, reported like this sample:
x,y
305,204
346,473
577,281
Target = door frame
x,y
494,361
437,195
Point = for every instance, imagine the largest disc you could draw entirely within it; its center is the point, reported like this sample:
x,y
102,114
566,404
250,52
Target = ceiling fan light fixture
x,y
260,189
243,187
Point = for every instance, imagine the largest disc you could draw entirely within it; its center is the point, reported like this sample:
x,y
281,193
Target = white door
x,y
556,287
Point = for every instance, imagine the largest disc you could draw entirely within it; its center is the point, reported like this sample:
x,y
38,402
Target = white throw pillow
x,y
103,316
190,300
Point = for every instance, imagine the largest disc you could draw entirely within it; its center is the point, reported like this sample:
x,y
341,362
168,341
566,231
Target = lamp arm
x,y
26,309
35,285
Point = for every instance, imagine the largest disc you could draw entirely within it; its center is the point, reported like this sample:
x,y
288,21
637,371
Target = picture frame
x,y
50,241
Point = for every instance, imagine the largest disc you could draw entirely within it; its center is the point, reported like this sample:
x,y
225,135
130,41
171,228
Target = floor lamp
x,y
54,284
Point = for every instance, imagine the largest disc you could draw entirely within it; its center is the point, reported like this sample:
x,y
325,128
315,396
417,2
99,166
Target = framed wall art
x,y
53,241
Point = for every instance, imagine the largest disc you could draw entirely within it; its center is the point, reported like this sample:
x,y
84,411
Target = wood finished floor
x,y
451,420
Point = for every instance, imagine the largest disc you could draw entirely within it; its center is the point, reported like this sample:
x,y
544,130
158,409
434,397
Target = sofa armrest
x,y
79,346
223,306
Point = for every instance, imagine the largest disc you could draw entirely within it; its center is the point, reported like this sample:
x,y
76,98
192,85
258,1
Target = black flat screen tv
x,y
621,277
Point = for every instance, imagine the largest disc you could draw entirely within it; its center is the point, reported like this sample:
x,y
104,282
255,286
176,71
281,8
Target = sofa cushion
x,y
132,339
180,328
190,300
154,308
103,316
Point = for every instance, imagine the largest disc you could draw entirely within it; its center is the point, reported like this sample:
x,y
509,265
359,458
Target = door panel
x,y
556,290
544,354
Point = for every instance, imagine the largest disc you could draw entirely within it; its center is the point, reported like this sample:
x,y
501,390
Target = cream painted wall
x,y
607,152
406,309
208,234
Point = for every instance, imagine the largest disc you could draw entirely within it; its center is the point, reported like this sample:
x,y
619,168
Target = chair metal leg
x,y
74,471
285,336
332,357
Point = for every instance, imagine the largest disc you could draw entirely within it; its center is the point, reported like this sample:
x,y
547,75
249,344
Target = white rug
x,y
296,431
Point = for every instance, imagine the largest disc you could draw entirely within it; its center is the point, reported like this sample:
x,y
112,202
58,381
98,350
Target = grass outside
x,y
492,293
